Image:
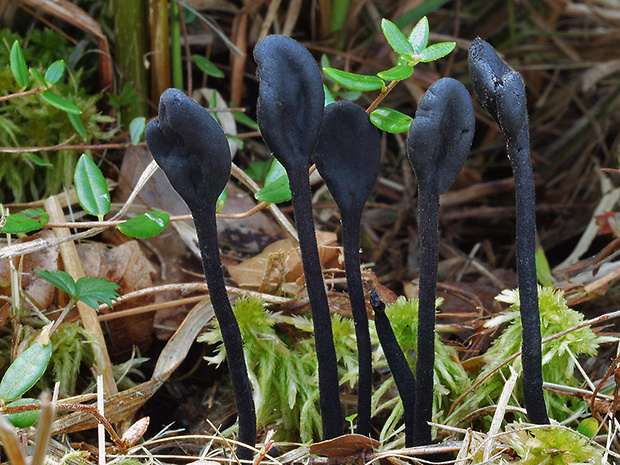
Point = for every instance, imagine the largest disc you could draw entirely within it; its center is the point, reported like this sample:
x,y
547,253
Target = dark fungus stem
x,y
527,281
501,91
329,387
428,219
206,230
403,377
351,246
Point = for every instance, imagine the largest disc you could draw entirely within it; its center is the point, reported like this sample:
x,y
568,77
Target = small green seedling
x,y
88,290
411,50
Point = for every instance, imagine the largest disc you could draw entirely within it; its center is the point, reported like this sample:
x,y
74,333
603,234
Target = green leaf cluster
x,y
411,50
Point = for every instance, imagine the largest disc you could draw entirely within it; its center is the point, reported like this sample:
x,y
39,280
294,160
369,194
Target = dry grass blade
x,y
10,443
44,429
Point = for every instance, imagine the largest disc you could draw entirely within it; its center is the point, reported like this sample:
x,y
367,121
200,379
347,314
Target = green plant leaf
x,y
258,170
390,120
55,72
23,419
276,188
397,73
146,225
588,427
59,102
78,125
329,98
207,66
61,279
419,35
94,290
221,200
243,118
37,160
25,371
37,76
543,270
19,68
396,38
91,189
354,81
136,129
436,51
25,221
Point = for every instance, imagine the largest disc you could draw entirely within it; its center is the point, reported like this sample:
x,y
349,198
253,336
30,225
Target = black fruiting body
x,y
502,92
403,377
348,156
192,150
289,112
437,146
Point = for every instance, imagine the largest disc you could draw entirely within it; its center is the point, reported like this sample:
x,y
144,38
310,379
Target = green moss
x,y
31,122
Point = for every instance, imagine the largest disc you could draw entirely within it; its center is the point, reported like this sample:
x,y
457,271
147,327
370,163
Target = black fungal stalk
x,y
348,156
502,92
191,148
403,377
437,146
289,112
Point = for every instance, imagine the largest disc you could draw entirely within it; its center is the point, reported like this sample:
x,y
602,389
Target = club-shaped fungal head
x,y
191,148
499,88
348,155
290,99
441,134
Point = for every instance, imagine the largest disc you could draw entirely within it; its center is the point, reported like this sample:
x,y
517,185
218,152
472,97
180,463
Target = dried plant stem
x,y
22,94
381,96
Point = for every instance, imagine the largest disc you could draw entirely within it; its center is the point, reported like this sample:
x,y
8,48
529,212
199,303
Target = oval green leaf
x,y
59,102
148,224
588,427
207,66
91,189
61,279
277,187
436,51
37,160
78,125
37,76
354,81
25,371
396,38
26,418
19,68
397,73
221,200
55,72
390,120
419,36
25,221
136,129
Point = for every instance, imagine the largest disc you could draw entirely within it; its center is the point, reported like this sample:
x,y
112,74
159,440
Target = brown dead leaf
x,y
251,272
127,266
39,290
346,445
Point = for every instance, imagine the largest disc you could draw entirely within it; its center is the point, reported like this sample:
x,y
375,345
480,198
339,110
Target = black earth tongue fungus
x,y
191,148
502,92
403,377
437,145
348,156
289,112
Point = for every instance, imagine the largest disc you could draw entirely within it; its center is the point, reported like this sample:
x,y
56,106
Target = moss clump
x,y
31,122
